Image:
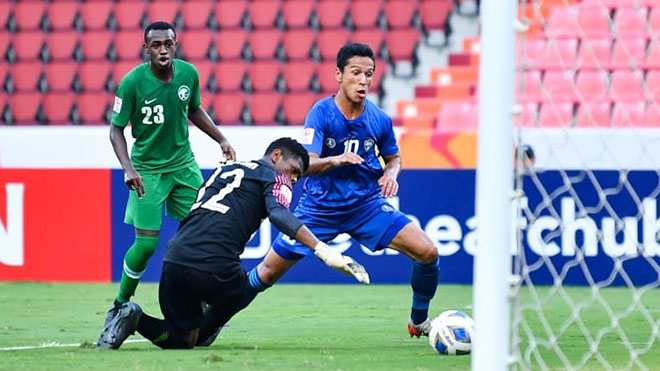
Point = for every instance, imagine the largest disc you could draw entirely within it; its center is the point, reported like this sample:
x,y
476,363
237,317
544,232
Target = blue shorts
x,y
373,224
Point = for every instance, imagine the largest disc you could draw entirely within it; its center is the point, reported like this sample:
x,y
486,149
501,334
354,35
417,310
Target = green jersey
x,y
158,113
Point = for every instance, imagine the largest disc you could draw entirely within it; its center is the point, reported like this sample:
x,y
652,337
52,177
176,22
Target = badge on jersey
x,y
117,106
308,136
282,191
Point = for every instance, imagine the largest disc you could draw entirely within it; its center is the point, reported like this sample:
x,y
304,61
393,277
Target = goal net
x,y
585,231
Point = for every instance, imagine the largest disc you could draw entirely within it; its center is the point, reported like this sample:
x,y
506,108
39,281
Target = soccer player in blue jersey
x,y
346,186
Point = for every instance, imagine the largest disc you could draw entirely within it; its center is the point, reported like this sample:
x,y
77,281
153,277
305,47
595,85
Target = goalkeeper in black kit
x,y
202,262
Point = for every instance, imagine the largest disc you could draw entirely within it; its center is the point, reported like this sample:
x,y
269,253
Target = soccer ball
x,y
451,333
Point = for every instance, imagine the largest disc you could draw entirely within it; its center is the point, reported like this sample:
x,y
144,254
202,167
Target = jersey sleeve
x,y
195,99
124,103
278,194
387,142
313,135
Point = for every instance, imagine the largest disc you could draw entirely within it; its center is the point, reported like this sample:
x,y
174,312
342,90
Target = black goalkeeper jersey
x,y
230,207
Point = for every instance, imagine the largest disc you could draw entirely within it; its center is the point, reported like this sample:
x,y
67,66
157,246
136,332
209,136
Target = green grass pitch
x,y
336,327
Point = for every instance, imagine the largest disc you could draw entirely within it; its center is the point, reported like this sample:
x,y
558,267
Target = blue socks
x,y
424,282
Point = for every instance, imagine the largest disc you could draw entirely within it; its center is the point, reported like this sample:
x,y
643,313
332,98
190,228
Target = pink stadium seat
x,y
62,44
57,108
297,13
128,14
95,14
92,108
401,44
4,72
377,79
93,75
563,22
27,45
594,114
62,14
652,60
264,75
374,37
28,14
163,10
654,21
327,79
60,75
6,8
229,75
263,13
95,44
626,86
228,14
230,43
531,87
121,68
400,13
26,75
591,86
228,107
527,117
652,115
195,43
653,85
24,107
594,22
263,107
458,116
128,44
331,13
594,54
298,74
5,38
264,43
204,69
195,13
556,115
630,22
558,54
296,106
434,13
330,41
628,114
558,87
365,13
298,43
628,53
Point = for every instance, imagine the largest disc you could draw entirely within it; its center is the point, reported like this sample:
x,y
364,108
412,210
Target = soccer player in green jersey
x,y
158,98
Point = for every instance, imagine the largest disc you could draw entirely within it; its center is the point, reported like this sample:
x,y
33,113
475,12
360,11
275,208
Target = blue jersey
x,y
328,133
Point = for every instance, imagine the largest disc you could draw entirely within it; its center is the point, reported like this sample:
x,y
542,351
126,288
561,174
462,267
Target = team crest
x,y
183,92
331,143
368,144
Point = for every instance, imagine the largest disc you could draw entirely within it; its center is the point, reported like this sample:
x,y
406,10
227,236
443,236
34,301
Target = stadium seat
x,y
653,85
6,8
296,106
94,75
5,40
630,22
264,107
207,101
230,43
264,43
654,22
60,75
128,44
528,115
374,37
556,115
163,10
263,13
327,80
228,108
563,22
229,14
554,54
62,14
401,44
195,44
57,108
92,108
298,43
652,115
377,80
591,86
330,41
531,87
95,14
28,45
229,75
28,14
121,68
652,60
558,86
594,22
435,13
331,13
62,45
628,53
400,13
24,107
26,76
365,13
195,13
129,14
457,116
593,114
626,86
297,13
628,114
95,44
594,54
298,75
264,75
4,72
204,69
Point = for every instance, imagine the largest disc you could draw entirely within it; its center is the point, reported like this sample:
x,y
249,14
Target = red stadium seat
x,y
652,115
57,108
591,86
28,14
5,9
330,41
95,44
128,14
4,72
121,68
653,86
627,86
26,76
401,44
296,106
594,53
457,116
327,79
230,43
60,75
365,13
264,43
297,13
62,44
264,75
128,44
374,37
298,43
595,114
207,100
527,117
298,74
195,13
229,75
630,22
652,60
263,13
376,81
264,107
628,53
27,45
163,10
195,43
594,22
400,13
434,13
531,87
95,14
558,86
204,69
563,22
5,38
556,115
24,107
228,14
628,114
228,108
93,75
331,13
62,14
92,108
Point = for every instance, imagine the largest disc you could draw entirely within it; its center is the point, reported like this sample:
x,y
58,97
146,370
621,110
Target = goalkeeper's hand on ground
x,y
342,263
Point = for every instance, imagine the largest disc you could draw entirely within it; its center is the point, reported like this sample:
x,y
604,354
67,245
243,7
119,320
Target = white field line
x,y
55,344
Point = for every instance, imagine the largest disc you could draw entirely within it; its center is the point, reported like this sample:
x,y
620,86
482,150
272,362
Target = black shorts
x,y
182,291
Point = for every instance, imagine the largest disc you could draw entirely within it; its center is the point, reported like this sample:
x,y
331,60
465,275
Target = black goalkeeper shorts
x,y
182,291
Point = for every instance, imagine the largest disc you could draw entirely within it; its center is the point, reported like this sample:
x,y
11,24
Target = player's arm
x,y
388,184
320,165
202,120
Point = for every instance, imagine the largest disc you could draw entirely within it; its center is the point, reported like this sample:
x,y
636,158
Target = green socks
x,y
135,263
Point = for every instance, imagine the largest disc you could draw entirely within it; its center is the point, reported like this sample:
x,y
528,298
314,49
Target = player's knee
x,y
428,253
268,273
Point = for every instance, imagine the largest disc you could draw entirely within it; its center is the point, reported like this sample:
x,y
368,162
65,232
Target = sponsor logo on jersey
x,y
330,142
117,106
368,144
183,92
307,136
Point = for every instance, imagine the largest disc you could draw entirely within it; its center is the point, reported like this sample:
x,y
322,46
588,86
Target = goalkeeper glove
x,y
344,264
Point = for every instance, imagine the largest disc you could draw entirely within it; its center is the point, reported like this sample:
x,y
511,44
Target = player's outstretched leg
x,y
165,334
120,327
